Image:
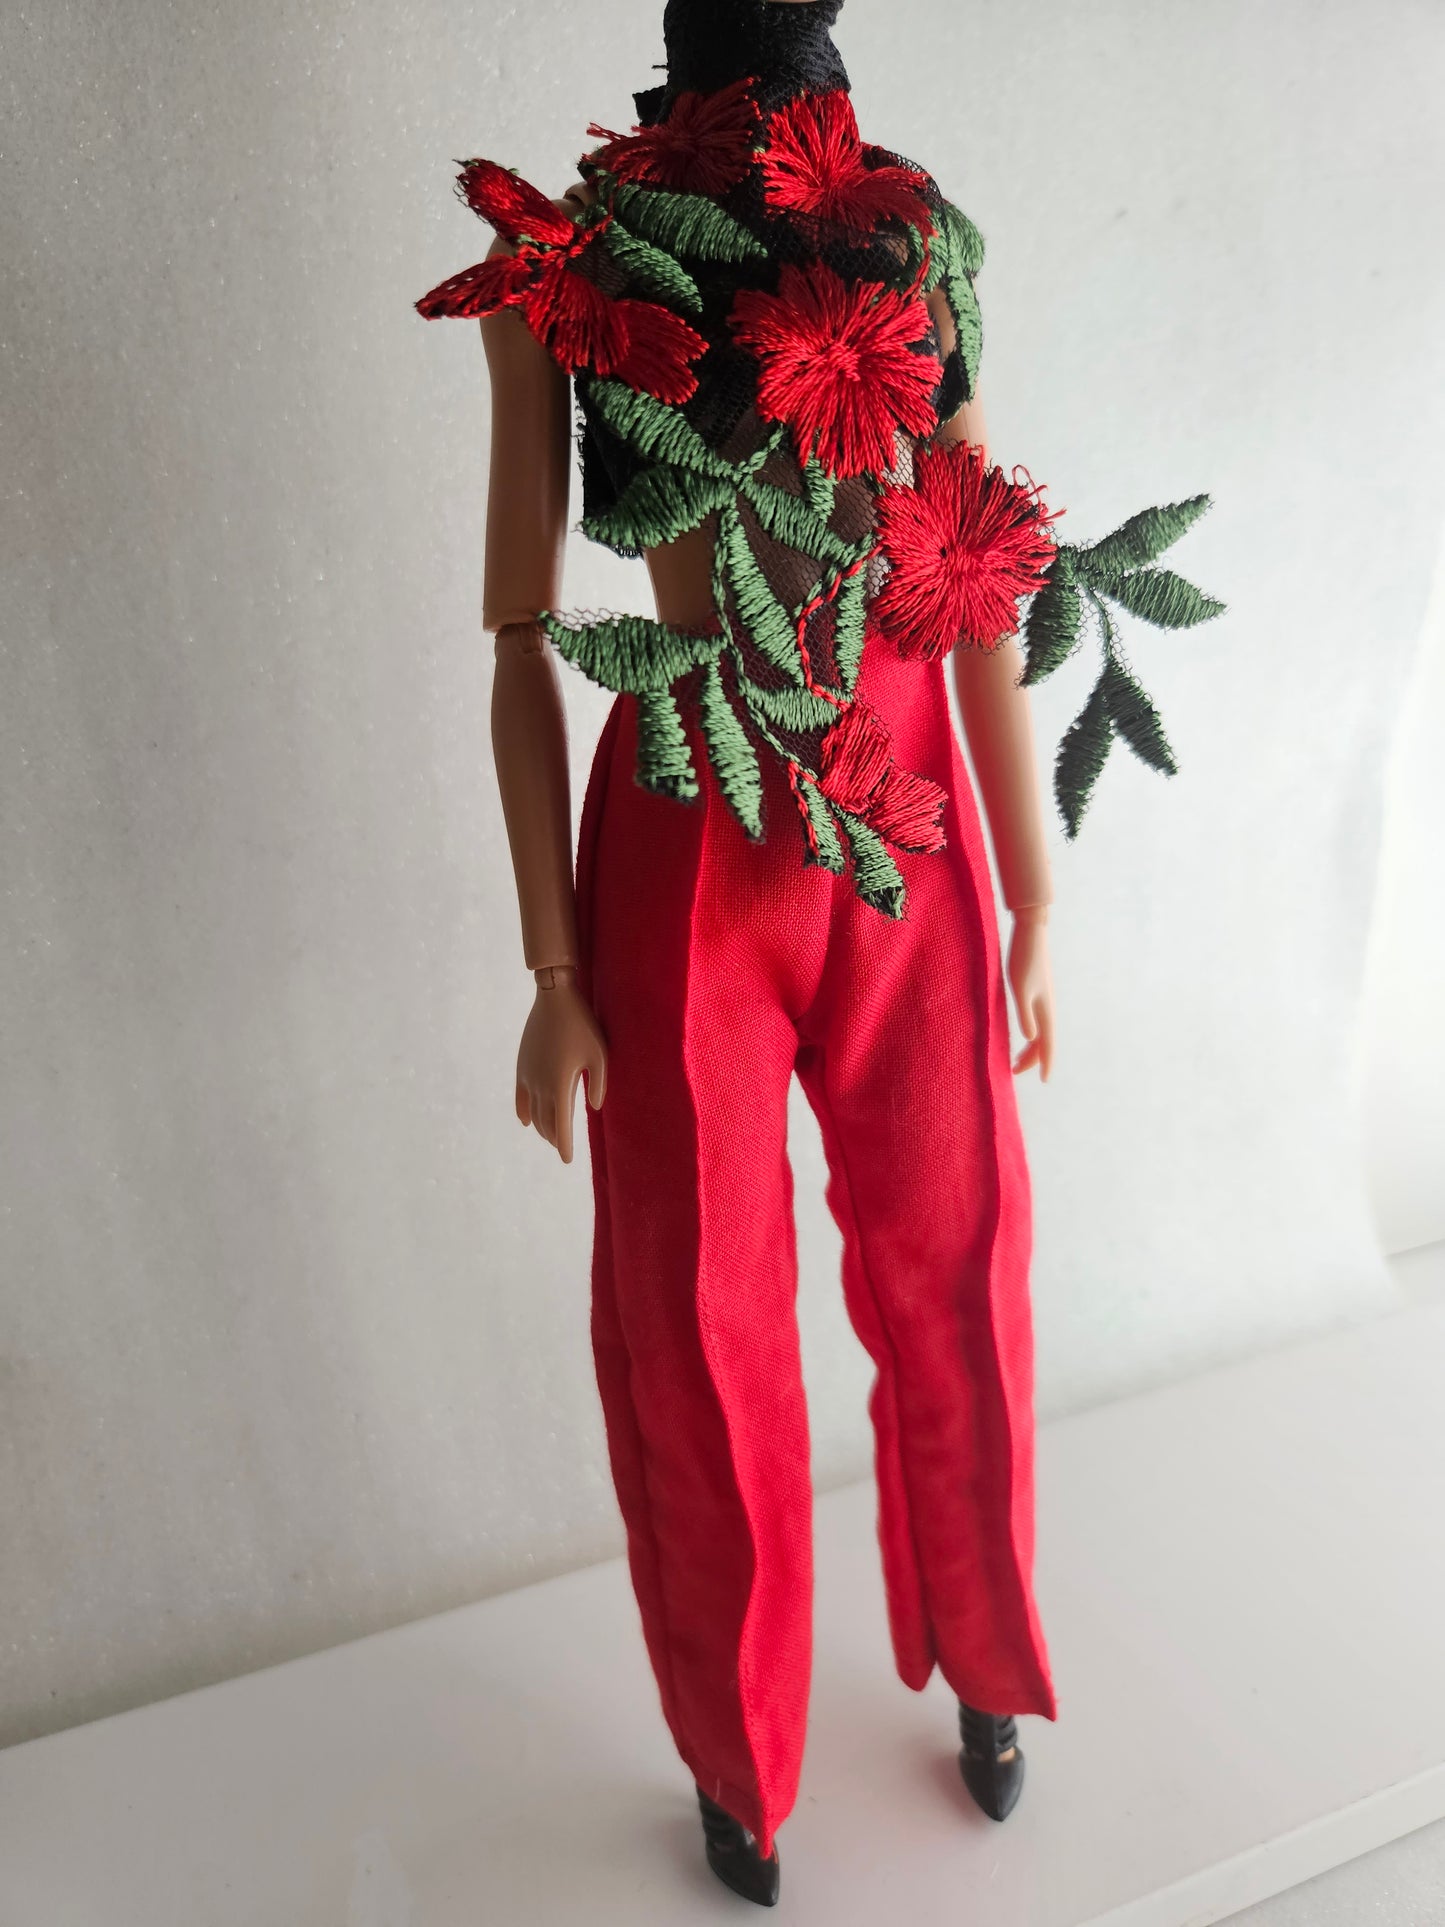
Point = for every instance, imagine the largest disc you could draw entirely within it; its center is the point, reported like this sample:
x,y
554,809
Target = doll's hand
x,y
561,1041
1033,989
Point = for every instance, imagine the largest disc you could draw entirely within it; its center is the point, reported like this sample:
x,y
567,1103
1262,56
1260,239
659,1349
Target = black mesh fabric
x,y
711,43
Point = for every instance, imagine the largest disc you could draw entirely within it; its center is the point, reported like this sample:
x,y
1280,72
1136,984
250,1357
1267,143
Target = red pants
x,y
717,967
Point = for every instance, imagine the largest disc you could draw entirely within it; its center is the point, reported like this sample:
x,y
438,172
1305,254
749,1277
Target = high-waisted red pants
x,y
718,967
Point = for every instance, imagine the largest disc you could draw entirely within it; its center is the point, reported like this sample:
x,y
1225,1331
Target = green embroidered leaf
x,y
1082,755
657,506
731,753
790,520
1051,628
910,259
772,441
664,756
965,243
829,855
630,654
818,488
956,256
656,273
798,711
1135,718
1139,540
685,223
849,626
963,305
653,428
769,626
1163,598
876,876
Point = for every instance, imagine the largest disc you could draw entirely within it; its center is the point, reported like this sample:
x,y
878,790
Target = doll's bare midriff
x,y
531,451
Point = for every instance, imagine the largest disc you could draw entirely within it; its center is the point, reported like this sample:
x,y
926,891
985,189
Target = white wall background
x,y
1401,1057
294,1328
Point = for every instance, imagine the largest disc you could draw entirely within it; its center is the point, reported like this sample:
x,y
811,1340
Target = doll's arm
x,y
999,728
526,531
526,525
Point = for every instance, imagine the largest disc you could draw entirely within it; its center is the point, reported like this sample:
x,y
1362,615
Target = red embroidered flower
x,y
638,342
814,163
703,147
963,545
858,773
839,361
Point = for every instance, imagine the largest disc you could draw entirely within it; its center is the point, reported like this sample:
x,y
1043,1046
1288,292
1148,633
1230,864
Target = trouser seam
x,y
866,1271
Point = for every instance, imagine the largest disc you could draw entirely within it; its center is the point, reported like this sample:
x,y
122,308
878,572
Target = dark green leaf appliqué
x,y
685,224
1163,598
829,852
653,428
731,754
965,243
1141,539
791,520
654,272
1082,755
1051,629
630,654
819,488
657,506
957,255
768,623
798,711
664,756
850,621
876,877
1135,718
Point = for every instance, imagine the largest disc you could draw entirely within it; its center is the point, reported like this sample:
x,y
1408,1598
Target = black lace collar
x,y
788,48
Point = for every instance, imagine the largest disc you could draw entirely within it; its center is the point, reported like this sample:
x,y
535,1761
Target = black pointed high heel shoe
x,y
732,1853
994,1783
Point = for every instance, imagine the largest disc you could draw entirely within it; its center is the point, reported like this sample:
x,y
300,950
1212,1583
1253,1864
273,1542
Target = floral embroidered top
x,y
742,308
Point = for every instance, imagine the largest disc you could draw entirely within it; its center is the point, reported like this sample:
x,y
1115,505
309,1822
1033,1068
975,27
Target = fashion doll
x,y
773,341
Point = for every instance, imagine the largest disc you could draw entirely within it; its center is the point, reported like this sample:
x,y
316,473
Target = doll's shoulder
x,y
580,195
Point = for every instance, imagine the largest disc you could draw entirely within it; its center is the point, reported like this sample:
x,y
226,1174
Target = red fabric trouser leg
x,y
906,1066
715,966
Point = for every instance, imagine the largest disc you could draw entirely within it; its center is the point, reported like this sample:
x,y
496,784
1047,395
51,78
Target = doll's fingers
x,y
1024,1005
564,1119
597,1078
1026,1057
544,1117
524,1106
1046,1037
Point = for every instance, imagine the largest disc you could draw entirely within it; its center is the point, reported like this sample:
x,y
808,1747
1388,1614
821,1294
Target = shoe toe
x,y
755,1879
994,1784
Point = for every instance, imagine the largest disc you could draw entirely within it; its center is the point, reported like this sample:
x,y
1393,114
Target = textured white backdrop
x,y
294,1318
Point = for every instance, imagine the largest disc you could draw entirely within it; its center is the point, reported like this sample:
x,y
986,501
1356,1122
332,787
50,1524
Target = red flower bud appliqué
x,y
637,342
705,145
858,773
814,164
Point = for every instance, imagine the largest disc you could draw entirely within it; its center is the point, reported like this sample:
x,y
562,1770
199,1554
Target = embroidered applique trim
x,y
743,310
1081,584
550,278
